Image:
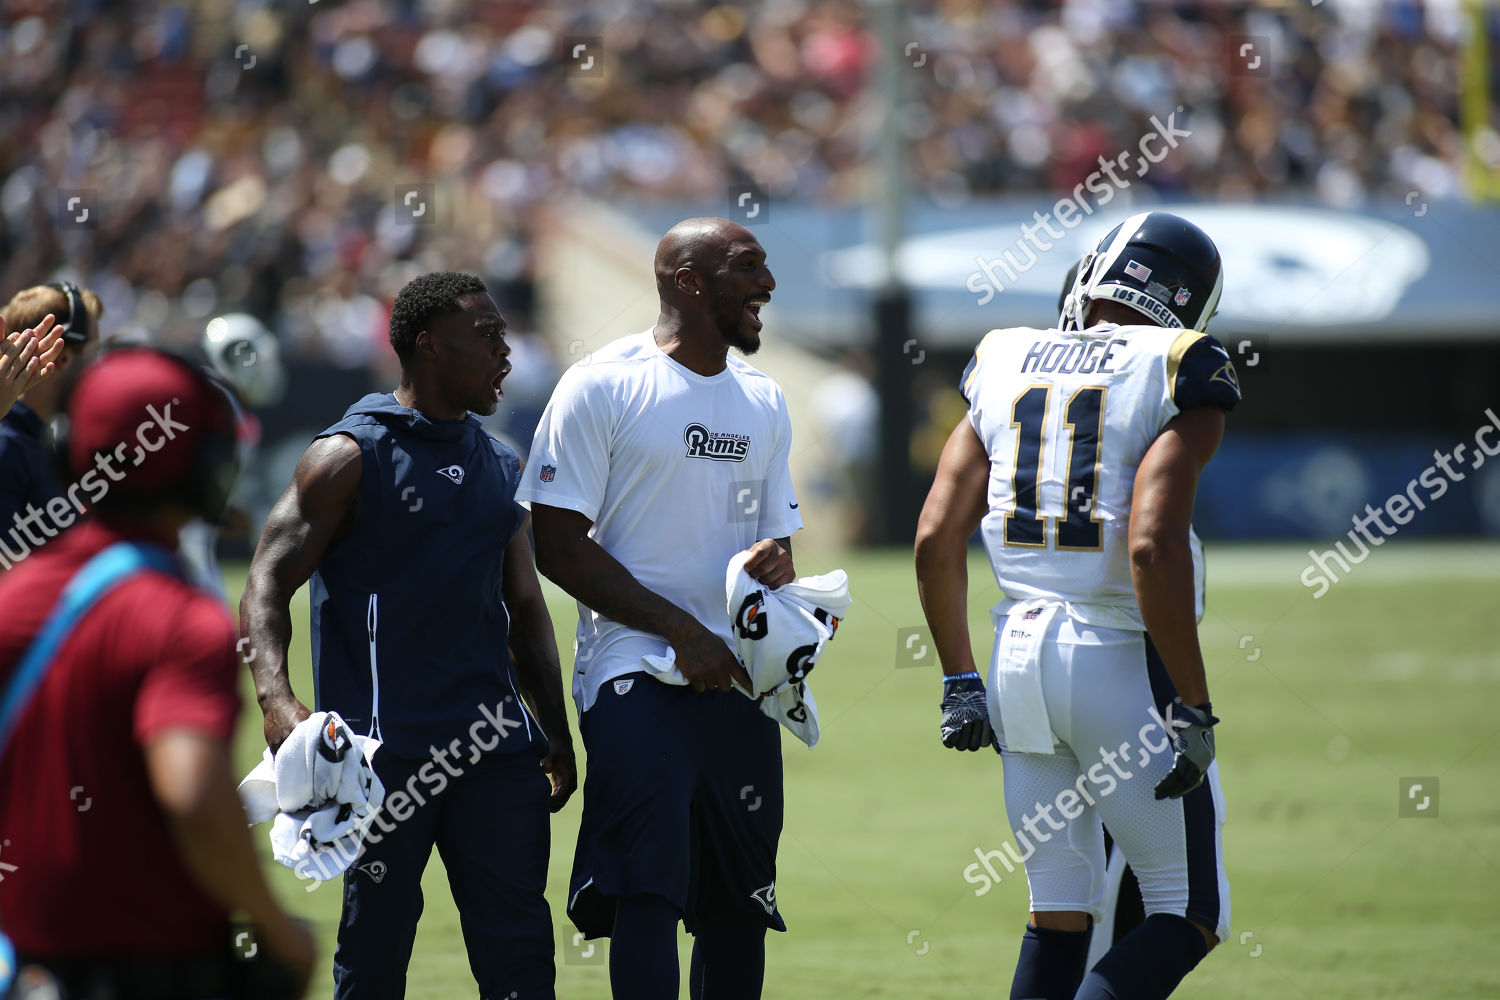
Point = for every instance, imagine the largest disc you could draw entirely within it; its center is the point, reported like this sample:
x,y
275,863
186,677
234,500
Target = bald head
x,y
712,277
700,245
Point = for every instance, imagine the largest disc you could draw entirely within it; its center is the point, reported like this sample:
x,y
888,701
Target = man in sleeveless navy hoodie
x,y
430,633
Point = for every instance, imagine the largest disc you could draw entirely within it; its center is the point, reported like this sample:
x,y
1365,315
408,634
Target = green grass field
x,y
1327,705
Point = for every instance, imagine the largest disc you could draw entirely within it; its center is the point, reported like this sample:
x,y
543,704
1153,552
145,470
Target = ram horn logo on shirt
x,y
453,472
548,473
1228,376
718,446
766,897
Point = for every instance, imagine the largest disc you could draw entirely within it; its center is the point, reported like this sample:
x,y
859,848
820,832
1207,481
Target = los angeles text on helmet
x,y
1070,211
1152,307
151,435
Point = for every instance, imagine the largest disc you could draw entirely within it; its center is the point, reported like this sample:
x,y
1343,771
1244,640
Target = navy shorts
x,y
682,800
492,827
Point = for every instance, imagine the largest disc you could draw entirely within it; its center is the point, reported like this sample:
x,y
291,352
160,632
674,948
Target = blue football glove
x,y
1192,734
966,714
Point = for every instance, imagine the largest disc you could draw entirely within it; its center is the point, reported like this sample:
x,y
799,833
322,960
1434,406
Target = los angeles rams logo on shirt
x,y
453,472
717,446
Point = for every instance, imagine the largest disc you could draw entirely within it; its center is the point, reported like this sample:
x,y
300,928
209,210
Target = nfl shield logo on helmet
x,y
549,473
1182,296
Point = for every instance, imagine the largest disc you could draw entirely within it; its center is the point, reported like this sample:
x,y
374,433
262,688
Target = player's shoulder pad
x,y
971,370
1201,373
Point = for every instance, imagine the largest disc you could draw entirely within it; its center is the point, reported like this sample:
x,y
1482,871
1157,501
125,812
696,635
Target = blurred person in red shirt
x,y
123,844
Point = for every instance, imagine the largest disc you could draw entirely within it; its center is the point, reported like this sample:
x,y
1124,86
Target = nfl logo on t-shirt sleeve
x,y
549,473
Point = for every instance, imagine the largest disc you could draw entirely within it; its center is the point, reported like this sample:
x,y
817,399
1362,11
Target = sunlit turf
x,y
1327,704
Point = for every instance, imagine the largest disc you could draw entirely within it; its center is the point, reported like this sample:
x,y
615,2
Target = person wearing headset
x,y
28,466
123,843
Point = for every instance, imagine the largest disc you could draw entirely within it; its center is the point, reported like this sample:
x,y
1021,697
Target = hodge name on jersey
x,y
1067,416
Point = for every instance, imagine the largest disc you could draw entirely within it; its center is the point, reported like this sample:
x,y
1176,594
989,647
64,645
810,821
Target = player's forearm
x,y
533,649
943,586
1161,570
588,573
266,622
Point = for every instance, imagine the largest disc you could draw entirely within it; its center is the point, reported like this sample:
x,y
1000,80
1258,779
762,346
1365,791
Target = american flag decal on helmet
x,y
1136,269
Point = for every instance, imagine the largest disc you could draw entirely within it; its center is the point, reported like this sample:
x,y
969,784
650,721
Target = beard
x,y
729,318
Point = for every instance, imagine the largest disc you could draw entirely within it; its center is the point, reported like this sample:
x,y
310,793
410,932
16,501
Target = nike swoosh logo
x,y
793,506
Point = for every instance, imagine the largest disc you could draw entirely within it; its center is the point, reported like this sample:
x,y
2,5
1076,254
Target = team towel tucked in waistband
x,y
779,636
1016,678
320,794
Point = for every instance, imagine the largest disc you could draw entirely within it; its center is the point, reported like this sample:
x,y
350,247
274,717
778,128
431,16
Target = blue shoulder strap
x,y
101,574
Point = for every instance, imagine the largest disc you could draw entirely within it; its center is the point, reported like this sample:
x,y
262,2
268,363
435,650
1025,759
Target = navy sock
x,y
729,962
643,949
1149,963
1051,965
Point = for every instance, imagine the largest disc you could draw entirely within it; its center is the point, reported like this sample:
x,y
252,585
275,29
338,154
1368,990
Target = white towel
x,y
1015,694
320,794
779,637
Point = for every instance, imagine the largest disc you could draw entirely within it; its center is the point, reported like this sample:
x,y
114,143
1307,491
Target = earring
x,y
698,291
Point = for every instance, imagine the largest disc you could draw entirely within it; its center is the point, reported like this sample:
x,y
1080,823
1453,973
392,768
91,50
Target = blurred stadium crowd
x,y
243,155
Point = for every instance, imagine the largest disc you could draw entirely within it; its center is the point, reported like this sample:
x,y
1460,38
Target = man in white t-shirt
x,y
657,460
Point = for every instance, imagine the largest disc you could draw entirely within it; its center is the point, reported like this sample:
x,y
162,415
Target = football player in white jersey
x,y
658,459
1122,907
1078,461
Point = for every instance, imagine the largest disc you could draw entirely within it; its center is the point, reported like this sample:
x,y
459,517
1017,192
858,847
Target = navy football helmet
x,y
1158,264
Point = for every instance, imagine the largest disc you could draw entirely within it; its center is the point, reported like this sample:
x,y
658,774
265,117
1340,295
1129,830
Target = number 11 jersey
x,y
1066,417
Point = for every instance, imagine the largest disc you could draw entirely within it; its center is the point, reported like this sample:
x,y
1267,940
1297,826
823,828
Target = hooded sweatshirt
x,y
409,630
